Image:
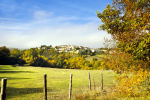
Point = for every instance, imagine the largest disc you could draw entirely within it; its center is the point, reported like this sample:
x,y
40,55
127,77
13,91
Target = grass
x,y
26,83
99,57
90,58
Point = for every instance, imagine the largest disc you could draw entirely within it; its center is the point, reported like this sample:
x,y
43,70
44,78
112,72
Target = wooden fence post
x,y
3,89
101,81
70,86
94,83
89,82
45,87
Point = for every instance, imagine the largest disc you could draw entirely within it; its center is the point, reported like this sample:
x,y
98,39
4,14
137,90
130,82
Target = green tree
x,y
60,60
88,52
77,48
80,53
4,54
15,53
94,59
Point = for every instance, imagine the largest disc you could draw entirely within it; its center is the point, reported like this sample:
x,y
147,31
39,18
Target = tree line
x,y
47,57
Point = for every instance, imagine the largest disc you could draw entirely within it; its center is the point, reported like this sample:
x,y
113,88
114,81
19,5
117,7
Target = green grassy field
x,y
26,83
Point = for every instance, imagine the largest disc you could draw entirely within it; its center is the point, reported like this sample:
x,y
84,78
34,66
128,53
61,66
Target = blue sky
x,y
32,23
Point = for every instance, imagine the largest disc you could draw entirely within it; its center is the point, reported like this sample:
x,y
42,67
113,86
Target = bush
x,y
94,59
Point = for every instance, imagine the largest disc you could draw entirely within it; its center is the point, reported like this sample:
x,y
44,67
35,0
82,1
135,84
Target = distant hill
x,y
18,48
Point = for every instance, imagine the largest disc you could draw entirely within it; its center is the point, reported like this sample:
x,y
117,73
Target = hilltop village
x,y
71,48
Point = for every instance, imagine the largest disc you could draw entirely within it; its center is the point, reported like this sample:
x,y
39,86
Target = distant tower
x,y
68,45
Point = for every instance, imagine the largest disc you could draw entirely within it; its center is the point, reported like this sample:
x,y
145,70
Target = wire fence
x,y
72,86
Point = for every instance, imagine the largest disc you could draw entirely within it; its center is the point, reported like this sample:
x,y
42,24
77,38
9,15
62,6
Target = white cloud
x,y
85,35
54,31
41,14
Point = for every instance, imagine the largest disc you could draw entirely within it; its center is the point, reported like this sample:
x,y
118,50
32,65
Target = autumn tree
x,y
126,19
40,51
128,22
30,56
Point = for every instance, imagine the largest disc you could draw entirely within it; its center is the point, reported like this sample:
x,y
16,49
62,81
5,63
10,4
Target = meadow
x,y
99,57
26,83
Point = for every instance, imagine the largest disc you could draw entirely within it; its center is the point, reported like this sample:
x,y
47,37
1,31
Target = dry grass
x,y
108,93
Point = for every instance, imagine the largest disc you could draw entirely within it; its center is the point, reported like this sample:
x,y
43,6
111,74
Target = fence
x,y
3,89
4,83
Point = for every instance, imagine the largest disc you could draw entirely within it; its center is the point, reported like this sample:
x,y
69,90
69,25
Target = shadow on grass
x,y
16,72
12,78
19,92
5,68
8,67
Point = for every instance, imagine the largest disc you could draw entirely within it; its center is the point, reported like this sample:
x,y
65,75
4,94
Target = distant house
x,y
77,51
95,50
71,51
81,47
63,46
43,48
39,47
71,48
81,50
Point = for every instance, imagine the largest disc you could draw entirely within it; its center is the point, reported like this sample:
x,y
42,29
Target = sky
x,y
32,23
